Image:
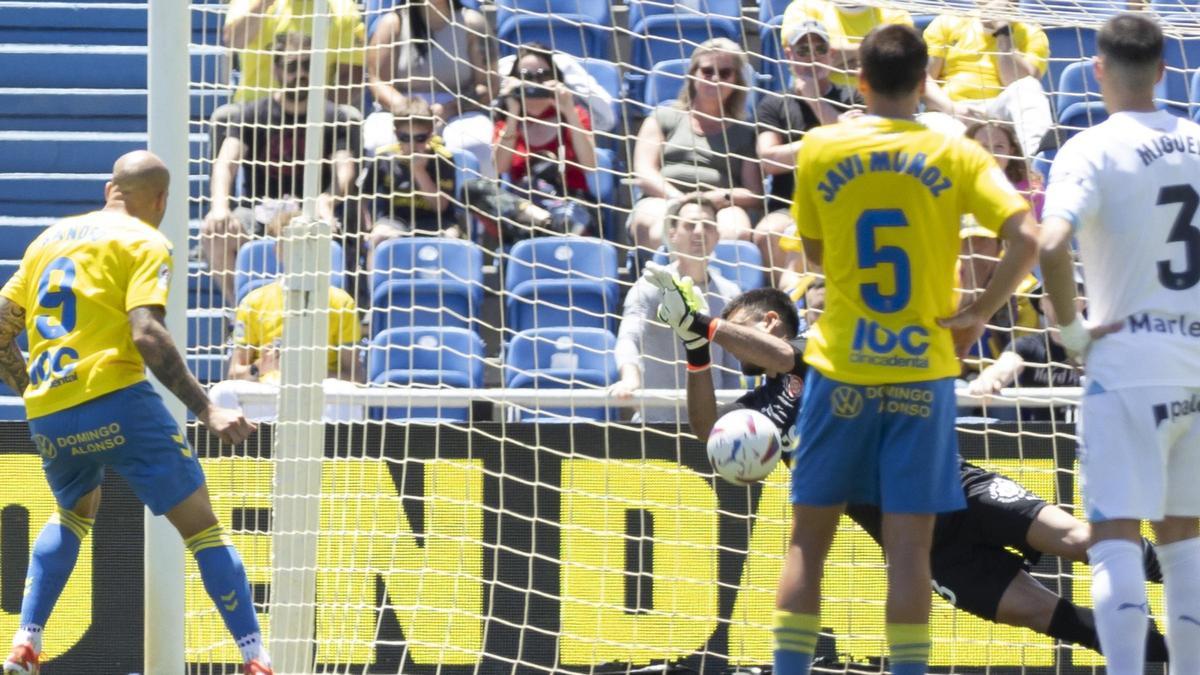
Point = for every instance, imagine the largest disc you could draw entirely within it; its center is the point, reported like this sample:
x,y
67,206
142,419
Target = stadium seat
x,y
426,282
1183,58
607,75
662,37
103,24
1068,44
1177,13
771,63
207,368
562,281
1195,91
106,110
561,358
1080,11
1079,116
664,82
769,10
588,12
728,11
1077,84
17,233
741,262
257,265
559,34
97,67
76,152
603,184
922,21
426,357
206,328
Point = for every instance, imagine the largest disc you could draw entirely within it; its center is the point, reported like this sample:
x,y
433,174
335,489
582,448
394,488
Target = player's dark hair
x,y
1130,41
762,300
893,58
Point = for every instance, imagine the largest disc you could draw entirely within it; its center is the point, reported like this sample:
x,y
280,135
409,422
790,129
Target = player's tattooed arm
x,y
12,363
158,350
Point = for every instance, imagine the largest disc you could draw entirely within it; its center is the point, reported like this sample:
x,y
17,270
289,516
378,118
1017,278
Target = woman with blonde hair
x,y
701,142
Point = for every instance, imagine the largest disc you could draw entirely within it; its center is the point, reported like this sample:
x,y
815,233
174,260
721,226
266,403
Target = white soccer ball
x,y
744,446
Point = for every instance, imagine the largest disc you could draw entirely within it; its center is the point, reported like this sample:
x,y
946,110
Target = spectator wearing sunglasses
x,y
269,136
700,143
812,100
408,187
544,140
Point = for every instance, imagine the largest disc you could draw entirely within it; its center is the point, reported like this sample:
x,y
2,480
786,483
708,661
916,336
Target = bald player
x,y
91,291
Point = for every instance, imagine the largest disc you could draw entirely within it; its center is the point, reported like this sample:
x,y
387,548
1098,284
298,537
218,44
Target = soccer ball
x,y
744,446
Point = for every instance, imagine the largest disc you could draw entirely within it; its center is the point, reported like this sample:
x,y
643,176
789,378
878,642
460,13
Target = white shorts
x,y
1140,453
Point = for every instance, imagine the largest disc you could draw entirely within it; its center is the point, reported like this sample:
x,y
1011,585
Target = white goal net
x,y
476,455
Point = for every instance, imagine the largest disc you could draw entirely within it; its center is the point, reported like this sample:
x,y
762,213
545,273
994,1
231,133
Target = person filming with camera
x,y
544,141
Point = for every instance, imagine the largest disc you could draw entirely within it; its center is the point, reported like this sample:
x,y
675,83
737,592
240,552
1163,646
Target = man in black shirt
x,y
808,101
269,135
981,555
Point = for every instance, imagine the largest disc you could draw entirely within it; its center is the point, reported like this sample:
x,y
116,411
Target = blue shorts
x,y
129,430
891,445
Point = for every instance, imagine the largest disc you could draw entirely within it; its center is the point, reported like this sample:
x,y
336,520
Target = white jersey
x,y
1131,188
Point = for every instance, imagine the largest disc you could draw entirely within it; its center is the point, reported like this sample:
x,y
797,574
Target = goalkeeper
x,y
981,556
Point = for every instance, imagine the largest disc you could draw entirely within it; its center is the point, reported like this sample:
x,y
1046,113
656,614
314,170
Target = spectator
x,y
783,120
544,140
408,187
999,139
1038,360
648,354
269,134
814,304
253,26
257,336
991,69
436,50
700,143
847,24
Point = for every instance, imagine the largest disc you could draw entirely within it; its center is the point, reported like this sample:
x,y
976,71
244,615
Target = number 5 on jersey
x,y
871,255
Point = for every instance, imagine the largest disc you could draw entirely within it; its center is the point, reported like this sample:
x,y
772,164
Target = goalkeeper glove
x,y
683,308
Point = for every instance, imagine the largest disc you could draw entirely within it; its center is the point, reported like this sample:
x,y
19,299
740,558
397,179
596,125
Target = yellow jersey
x,y
259,323
347,41
970,70
846,28
77,283
885,197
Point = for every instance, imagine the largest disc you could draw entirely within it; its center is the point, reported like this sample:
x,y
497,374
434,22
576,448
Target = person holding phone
x,y
544,140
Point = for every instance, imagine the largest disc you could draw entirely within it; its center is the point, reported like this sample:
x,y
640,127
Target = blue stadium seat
x,y
771,60
426,357
665,81
76,152
106,110
603,184
17,233
257,265
1080,11
1182,57
727,11
607,75
1177,13
202,292
581,11
206,328
562,281
662,37
109,24
97,67
1068,44
1077,84
421,281
207,368
559,34
561,358
1079,116
769,10
1195,100
741,262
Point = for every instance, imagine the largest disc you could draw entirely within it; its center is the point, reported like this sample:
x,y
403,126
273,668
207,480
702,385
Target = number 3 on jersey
x,y
871,255
1182,231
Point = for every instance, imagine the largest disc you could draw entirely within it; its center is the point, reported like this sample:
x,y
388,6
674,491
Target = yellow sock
x,y
908,643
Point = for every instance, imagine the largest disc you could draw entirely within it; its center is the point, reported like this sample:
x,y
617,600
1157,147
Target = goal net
x,y
475,455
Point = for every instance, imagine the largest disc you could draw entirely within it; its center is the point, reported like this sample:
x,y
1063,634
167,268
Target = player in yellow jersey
x,y
91,291
878,204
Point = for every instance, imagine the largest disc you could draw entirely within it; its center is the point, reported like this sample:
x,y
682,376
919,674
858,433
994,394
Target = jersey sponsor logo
x,y
56,366
1181,325
897,399
45,446
164,276
99,439
1006,491
1175,409
846,402
794,385
875,344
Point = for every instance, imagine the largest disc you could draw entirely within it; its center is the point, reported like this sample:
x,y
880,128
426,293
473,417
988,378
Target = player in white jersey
x,y
1128,191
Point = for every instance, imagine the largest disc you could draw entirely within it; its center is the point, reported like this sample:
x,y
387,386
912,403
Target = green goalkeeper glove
x,y
684,309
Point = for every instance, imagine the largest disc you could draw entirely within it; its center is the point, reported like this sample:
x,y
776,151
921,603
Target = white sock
x,y
252,647
1181,586
31,633
1119,598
